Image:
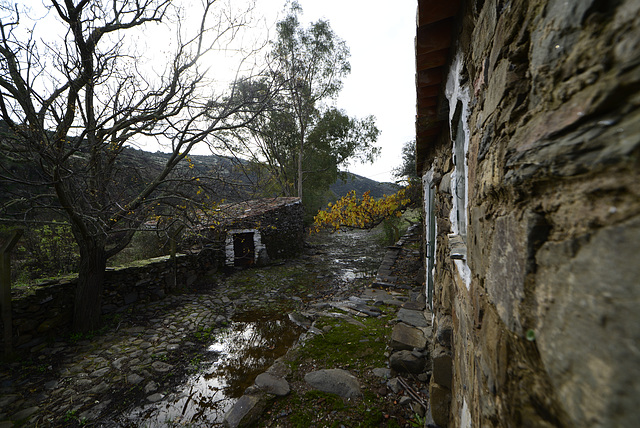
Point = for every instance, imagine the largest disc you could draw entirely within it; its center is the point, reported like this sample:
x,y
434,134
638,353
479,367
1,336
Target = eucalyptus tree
x,y
309,65
407,170
74,100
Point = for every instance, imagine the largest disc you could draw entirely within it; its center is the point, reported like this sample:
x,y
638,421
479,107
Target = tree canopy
x,y
407,170
303,138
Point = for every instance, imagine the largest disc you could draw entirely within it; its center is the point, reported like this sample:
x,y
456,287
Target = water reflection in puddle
x,y
227,367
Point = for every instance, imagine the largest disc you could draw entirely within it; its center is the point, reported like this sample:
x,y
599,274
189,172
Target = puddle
x,y
246,348
226,368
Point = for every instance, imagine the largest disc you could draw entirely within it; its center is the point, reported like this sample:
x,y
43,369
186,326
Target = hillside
x,y
237,180
222,177
362,184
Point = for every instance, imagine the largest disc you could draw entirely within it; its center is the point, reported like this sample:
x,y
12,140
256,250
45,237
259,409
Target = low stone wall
x,y
47,312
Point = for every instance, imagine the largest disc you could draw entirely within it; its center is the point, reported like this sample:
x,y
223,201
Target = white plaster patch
x,y
465,415
427,182
456,92
464,271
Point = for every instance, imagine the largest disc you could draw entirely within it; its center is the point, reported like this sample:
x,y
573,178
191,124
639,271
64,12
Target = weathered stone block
x,y
442,365
246,410
497,87
405,337
506,272
406,362
439,403
444,333
587,296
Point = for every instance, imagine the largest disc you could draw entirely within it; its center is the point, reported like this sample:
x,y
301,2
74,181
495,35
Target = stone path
x,y
409,354
69,380
139,360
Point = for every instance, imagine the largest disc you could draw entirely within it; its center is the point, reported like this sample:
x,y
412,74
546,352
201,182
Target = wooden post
x,y
7,242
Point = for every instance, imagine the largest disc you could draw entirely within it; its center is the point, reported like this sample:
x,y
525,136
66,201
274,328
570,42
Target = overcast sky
x,y
380,35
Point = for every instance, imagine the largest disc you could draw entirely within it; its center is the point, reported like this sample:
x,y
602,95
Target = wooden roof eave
x,y
435,24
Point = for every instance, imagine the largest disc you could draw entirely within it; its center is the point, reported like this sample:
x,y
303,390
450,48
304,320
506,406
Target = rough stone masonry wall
x,y
548,331
47,312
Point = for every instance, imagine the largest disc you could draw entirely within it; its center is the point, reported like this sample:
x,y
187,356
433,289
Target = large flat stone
x,y
334,381
415,306
246,410
406,337
414,318
272,384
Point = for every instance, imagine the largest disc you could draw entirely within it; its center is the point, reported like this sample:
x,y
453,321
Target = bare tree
x,y
71,107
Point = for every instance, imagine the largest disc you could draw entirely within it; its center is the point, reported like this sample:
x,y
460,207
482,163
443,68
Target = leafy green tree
x,y
407,170
72,104
303,139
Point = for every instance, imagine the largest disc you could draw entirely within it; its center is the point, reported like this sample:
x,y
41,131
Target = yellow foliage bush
x,y
361,213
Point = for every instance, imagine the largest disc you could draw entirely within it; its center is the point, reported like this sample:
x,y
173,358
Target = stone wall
x,y
46,312
536,319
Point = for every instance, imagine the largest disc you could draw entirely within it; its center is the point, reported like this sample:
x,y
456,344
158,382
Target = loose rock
x,y
272,384
334,381
406,362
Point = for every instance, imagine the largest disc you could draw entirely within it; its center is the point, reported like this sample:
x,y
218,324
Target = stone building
x,y
260,230
528,143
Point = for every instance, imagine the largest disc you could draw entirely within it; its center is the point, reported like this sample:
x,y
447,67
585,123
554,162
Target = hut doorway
x,y
244,250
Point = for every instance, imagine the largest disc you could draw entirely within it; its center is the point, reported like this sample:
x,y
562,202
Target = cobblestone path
x,y
147,350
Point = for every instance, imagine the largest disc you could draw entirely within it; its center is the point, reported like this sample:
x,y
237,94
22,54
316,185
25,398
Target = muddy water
x,y
237,354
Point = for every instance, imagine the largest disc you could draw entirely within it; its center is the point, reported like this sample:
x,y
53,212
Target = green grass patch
x,y
343,345
347,345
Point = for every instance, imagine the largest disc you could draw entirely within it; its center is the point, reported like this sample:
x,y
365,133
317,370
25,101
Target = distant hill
x,y
226,177
362,184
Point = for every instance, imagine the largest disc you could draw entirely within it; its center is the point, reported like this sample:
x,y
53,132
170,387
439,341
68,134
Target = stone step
x,y
413,318
406,337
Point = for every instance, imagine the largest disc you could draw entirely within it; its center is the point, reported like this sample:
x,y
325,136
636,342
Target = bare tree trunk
x,y
300,173
88,301
303,130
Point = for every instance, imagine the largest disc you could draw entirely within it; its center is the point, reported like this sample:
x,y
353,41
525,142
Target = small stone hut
x,y
260,230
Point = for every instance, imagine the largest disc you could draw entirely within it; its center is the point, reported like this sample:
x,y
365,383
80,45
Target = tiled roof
x,y
256,207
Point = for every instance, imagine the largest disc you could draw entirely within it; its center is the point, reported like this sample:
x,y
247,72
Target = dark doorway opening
x,y
243,249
